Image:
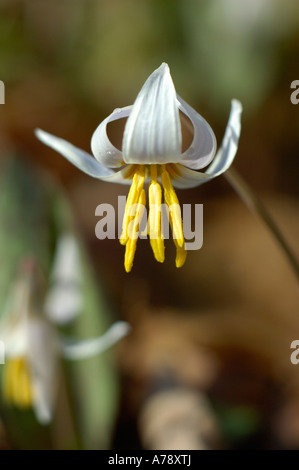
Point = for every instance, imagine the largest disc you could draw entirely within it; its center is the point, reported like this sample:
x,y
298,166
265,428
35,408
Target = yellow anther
x,y
181,254
17,387
172,202
135,207
133,197
133,230
155,201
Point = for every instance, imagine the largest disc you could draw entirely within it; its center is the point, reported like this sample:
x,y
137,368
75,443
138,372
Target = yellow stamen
x,y
175,218
174,209
155,200
133,197
17,386
131,171
134,211
181,254
154,173
132,232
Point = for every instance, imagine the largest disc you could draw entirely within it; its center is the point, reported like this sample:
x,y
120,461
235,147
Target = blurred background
x,y
207,363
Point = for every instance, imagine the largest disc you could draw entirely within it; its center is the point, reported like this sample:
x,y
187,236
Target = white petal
x,y
102,149
14,319
91,347
81,159
229,146
187,178
65,297
203,147
76,156
119,176
13,330
153,130
43,361
14,340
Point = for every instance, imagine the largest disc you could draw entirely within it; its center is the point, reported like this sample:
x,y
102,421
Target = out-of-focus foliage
x,y
216,49
34,214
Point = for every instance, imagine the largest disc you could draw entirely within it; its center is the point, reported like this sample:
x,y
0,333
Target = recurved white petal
x,y
91,347
82,159
76,156
153,130
187,178
203,147
230,142
102,149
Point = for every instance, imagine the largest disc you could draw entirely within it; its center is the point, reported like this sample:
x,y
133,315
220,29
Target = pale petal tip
x,y
164,67
38,133
43,414
120,329
237,105
162,70
42,135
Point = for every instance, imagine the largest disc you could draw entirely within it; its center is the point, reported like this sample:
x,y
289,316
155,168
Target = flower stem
x,y
258,208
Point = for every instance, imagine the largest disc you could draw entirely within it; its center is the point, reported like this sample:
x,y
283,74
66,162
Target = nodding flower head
x,y
31,350
33,347
152,151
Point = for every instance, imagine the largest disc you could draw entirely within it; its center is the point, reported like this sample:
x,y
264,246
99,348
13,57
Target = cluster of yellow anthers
x,y
17,383
136,200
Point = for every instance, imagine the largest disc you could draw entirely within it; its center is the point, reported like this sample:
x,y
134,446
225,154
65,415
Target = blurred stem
x,y
258,208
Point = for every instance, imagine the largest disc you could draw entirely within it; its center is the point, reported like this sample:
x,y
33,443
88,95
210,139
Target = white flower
x,y
152,150
33,349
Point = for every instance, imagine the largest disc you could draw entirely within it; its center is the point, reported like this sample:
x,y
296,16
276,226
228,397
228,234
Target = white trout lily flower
x,y
33,348
152,150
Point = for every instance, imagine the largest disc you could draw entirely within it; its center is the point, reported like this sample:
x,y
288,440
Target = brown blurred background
x,y
210,345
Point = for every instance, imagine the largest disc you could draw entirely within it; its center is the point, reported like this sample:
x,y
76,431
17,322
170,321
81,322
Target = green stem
x,y
258,208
